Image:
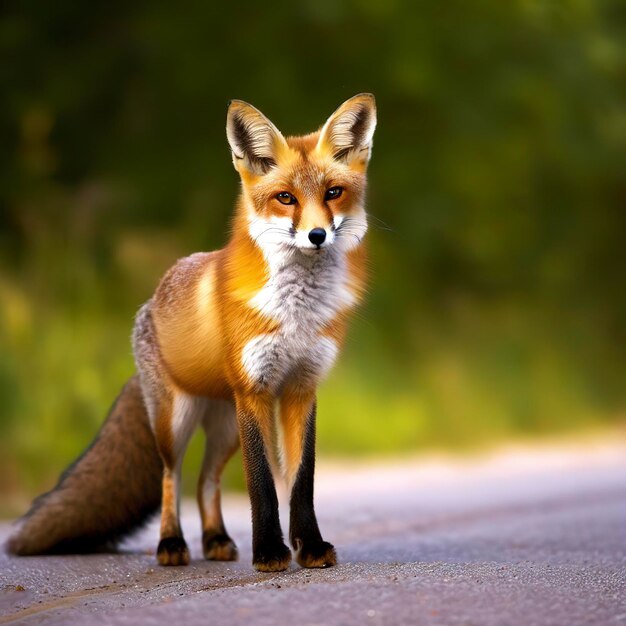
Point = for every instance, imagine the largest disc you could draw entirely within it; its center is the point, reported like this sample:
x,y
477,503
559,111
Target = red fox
x,y
235,341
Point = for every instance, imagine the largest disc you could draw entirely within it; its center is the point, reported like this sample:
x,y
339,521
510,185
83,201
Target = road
x,y
522,537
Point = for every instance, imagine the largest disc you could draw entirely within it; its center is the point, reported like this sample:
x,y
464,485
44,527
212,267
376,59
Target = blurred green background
x,y
497,189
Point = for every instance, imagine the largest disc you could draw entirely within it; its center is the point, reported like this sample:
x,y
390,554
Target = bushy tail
x,y
110,490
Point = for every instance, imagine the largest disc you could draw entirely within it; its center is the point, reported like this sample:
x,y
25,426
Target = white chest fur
x,y
303,294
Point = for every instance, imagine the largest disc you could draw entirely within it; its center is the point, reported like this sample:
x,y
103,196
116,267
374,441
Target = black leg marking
x,y
270,554
304,533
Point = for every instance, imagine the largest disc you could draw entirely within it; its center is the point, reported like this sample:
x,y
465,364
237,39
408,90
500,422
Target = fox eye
x,y
284,197
333,193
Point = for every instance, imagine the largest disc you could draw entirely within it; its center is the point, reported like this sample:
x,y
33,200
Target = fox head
x,y
304,193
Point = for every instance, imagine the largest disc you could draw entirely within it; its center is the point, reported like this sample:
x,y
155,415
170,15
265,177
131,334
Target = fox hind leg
x,y
172,429
176,421
222,440
173,418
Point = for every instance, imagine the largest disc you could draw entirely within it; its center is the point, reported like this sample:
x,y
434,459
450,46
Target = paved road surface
x,y
516,539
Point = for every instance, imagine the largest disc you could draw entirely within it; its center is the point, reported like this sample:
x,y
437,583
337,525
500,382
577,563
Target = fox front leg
x,y
254,418
298,413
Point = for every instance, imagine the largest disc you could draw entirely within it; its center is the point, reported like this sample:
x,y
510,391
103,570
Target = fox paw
x,y
272,558
218,547
315,554
173,551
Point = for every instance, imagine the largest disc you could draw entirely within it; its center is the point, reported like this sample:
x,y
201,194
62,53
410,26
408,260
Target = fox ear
x,y
348,133
254,140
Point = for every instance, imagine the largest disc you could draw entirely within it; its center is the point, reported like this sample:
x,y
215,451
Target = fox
x,y
235,341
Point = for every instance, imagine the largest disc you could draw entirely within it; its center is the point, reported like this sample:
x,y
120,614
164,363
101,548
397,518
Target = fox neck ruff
x,y
303,293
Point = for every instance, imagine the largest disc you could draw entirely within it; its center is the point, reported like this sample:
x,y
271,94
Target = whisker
x,y
349,233
276,229
381,224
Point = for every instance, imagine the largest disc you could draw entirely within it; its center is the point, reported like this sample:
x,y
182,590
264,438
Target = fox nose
x,y
317,236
